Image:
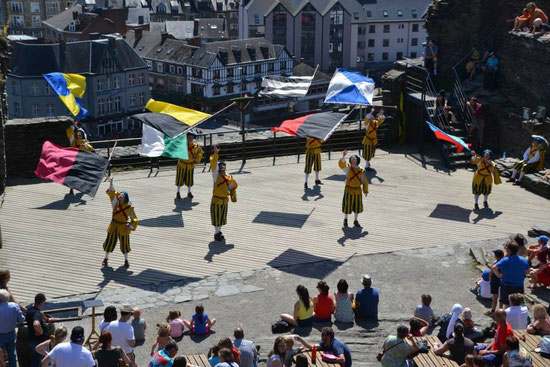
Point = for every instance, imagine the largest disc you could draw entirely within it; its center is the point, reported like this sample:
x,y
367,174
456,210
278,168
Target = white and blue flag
x,y
350,87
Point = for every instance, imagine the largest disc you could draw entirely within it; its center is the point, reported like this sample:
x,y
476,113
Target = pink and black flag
x,y
318,125
441,135
72,167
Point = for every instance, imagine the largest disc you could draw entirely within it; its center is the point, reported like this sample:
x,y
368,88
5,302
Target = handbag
x,y
422,346
381,354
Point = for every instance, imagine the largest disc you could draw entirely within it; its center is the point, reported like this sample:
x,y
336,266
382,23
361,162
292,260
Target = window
x,y
216,74
355,15
132,101
101,106
109,105
160,83
118,106
258,84
142,98
244,70
399,55
230,88
216,91
36,21
362,30
49,109
13,88
414,14
16,109
108,83
399,13
283,65
47,89
160,67
337,17
413,55
17,21
141,79
131,80
372,29
414,41
16,7
72,27
150,64
370,57
256,18
360,44
401,26
230,72
179,70
257,69
385,42
35,110
35,89
35,7
161,8
369,13
384,56
270,67
415,27
116,83
386,28
371,43
330,47
385,13
52,8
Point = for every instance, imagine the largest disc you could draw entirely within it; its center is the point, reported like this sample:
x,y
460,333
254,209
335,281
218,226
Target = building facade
x,y
26,16
338,33
116,82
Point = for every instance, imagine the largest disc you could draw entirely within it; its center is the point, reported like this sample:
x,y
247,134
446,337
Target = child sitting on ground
x,y
139,326
522,21
482,288
163,338
200,323
424,311
177,325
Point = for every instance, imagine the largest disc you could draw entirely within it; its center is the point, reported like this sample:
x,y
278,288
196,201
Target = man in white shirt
x,y
123,332
517,315
71,354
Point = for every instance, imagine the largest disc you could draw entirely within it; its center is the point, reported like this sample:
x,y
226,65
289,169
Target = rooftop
x,y
213,28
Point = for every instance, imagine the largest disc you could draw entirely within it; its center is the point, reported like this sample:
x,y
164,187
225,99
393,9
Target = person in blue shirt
x,y
332,346
512,271
165,357
366,300
10,316
492,63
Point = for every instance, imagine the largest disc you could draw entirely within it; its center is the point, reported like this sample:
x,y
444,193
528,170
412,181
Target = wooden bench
x,y
198,360
430,359
319,361
531,342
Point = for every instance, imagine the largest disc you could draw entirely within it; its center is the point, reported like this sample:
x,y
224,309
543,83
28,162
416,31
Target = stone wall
x,y
24,139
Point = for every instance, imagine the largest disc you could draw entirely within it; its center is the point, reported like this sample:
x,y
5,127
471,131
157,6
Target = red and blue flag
x,y
442,135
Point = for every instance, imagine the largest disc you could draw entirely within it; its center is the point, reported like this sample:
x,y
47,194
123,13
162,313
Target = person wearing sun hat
x,y
533,160
355,178
224,187
482,182
123,333
366,300
123,221
539,250
186,167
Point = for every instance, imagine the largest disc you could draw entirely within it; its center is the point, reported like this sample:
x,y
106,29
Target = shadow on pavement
x,y
306,265
184,204
485,213
217,248
163,221
313,192
142,280
63,204
292,220
352,233
451,212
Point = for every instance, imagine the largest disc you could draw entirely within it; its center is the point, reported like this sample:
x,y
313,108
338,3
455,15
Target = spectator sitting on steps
x,y
535,13
540,28
522,21
366,300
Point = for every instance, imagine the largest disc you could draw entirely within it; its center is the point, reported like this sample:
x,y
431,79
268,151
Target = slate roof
x,y
64,18
303,69
172,50
32,60
212,28
180,29
142,45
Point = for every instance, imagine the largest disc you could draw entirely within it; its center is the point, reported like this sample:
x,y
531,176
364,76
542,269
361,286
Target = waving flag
x,y
350,87
185,115
441,135
72,167
276,86
318,125
70,88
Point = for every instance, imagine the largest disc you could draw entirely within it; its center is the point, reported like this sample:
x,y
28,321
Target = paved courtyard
x,y
53,242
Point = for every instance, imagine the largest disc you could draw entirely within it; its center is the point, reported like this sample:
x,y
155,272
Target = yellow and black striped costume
x,y
355,178
224,186
483,176
370,140
81,144
530,164
124,220
186,167
313,155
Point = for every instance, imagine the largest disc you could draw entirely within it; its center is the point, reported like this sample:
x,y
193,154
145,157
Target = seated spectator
x,y
200,322
493,353
164,357
303,309
139,325
425,311
540,277
491,65
38,329
71,354
248,354
517,314
5,277
276,356
533,160
473,63
290,350
397,348
10,316
181,361
163,338
511,270
482,288
521,21
459,346
440,102
468,361
107,355
515,356
214,356
323,305
226,359
58,337
122,332
470,329
225,343
177,325
109,315
447,322
538,250
521,241
535,13
366,300
479,361
301,361
336,351
343,303
418,327
541,324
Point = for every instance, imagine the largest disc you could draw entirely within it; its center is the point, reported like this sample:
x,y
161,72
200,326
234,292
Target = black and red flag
x,y
74,168
318,125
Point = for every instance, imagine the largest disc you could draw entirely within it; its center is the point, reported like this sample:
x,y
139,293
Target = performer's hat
x,y
356,156
81,130
540,139
77,334
222,163
365,278
488,151
125,196
542,238
192,133
126,308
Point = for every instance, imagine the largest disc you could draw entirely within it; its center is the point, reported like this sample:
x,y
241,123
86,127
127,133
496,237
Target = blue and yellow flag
x,y
70,88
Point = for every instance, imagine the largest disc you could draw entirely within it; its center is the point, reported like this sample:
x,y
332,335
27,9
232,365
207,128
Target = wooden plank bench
x,y
319,361
529,344
197,360
430,359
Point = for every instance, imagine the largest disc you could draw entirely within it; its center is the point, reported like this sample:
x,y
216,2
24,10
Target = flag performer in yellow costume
x,y
124,221
313,159
370,140
186,167
533,160
356,185
484,176
77,137
224,187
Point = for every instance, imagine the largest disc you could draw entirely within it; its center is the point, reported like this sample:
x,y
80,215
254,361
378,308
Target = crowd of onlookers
x,y
501,286
533,20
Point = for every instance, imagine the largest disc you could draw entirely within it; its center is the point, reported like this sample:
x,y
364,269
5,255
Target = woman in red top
x,y
323,305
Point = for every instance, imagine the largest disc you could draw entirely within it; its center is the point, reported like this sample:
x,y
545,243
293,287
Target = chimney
x,y
138,32
75,15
